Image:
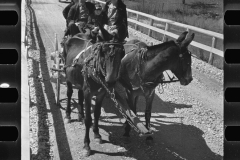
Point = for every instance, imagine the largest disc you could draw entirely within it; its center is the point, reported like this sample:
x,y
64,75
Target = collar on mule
x,y
143,84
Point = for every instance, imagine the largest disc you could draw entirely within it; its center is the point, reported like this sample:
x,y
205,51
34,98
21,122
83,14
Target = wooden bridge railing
x,y
211,48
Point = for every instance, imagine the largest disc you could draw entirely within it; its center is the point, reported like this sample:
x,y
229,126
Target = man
x,y
115,19
65,15
78,16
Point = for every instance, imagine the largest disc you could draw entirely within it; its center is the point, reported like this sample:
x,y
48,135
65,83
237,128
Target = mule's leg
x,y
97,113
80,102
131,99
149,100
88,123
148,110
69,95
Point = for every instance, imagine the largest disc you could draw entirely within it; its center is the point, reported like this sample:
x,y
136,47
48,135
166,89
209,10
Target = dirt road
x,y
187,121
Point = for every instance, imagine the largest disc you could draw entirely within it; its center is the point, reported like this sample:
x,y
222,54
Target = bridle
x,y
141,54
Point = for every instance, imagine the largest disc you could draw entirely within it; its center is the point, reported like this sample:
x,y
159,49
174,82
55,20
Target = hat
x,y
98,6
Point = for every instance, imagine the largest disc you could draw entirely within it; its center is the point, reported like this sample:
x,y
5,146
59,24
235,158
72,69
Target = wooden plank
x,y
211,57
193,43
200,30
124,109
150,31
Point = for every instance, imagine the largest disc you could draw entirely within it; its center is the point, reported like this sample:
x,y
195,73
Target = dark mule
x,y
93,65
142,68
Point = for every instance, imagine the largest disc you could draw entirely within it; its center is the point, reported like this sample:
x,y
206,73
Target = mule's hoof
x,y
86,152
126,140
98,140
67,120
149,140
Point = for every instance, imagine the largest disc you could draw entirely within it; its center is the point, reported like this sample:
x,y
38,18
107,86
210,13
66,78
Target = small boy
x,y
94,19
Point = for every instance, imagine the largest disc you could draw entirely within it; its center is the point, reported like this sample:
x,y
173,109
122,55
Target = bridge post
x,y
136,26
187,31
211,56
149,30
164,36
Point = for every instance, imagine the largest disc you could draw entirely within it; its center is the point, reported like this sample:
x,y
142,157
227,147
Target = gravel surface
x,y
187,120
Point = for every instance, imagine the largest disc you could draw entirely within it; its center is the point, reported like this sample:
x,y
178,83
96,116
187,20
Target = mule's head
x,y
183,69
113,54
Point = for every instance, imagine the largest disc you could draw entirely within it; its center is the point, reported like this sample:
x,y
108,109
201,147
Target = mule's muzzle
x,y
185,82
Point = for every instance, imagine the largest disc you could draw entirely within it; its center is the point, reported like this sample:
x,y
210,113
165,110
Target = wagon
x,y
58,76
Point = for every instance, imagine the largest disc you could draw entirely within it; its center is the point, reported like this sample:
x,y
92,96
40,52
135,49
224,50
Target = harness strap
x,y
79,54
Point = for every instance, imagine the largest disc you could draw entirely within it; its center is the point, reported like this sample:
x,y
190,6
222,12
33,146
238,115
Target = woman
x,y
114,19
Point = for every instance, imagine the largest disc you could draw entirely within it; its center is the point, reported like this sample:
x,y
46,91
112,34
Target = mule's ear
x,y
187,41
182,37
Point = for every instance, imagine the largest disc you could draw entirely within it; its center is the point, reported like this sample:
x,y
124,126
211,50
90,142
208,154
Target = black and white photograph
x,y
122,79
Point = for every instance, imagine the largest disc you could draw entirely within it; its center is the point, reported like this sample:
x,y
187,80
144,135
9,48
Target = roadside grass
x,y
201,14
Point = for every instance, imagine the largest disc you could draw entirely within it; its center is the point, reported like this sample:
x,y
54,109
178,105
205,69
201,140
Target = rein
x,y
141,55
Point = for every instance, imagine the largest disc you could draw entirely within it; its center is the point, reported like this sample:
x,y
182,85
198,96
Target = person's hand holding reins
x,y
95,30
111,29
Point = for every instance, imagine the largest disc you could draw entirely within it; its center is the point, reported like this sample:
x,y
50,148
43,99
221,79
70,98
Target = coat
x,y
74,10
93,19
67,9
121,19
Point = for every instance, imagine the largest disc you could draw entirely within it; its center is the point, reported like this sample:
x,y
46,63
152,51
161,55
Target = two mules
x,y
142,68
98,64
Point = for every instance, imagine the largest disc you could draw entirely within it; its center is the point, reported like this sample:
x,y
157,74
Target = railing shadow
x,y
58,123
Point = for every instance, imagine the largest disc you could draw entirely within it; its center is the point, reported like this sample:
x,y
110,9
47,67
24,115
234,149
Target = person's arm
x,y
91,7
66,10
104,19
125,22
70,17
89,22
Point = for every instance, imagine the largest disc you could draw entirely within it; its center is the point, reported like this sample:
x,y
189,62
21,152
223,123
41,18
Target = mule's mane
x,y
152,51
161,46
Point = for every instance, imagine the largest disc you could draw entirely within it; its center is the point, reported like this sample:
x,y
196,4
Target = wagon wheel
x,y
59,67
58,80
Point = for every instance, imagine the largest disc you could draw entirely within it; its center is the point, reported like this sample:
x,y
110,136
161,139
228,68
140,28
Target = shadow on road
x,y
171,139
58,123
